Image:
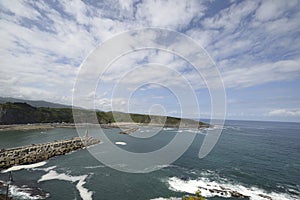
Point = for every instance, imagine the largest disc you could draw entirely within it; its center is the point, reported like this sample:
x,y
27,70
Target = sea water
x,y
256,159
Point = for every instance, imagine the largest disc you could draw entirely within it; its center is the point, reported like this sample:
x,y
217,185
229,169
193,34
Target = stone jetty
x,y
128,131
39,152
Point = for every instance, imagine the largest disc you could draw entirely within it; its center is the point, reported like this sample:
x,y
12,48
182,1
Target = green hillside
x,y
23,113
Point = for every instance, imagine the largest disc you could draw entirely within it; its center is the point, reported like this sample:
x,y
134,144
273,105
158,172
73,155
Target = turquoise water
x,y
253,158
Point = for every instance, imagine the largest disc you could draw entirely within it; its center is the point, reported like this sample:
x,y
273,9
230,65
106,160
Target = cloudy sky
x,y
254,44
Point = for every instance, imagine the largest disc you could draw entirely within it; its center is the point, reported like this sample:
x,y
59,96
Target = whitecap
x,y
121,143
198,131
19,167
168,129
23,193
153,168
94,167
84,193
44,169
212,188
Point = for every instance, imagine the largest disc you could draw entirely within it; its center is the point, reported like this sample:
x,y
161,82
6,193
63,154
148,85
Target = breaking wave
x,y
212,188
25,193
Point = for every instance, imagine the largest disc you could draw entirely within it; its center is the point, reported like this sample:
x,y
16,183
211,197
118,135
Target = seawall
x,y
40,152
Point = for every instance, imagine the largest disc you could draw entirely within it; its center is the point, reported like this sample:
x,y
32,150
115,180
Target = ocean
x,y
260,160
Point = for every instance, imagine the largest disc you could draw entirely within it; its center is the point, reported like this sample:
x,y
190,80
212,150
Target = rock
x,y
265,196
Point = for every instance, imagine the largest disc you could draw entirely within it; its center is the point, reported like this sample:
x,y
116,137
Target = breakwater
x,y
40,152
128,131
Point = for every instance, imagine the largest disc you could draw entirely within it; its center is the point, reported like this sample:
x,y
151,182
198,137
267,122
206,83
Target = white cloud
x,y
169,14
262,73
204,37
37,61
126,4
272,9
284,113
230,18
252,42
20,9
250,52
77,9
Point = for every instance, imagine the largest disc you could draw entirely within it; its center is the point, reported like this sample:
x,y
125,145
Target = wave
x,y
20,167
196,131
228,127
85,194
121,143
25,193
169,129
238,128
44,169
212,188
94,167
185,130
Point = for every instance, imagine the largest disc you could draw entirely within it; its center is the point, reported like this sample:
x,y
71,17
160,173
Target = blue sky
x,y
254,44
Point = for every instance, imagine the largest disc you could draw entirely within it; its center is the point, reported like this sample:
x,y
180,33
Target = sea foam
x,y
84,193
121,143
19,167
24,193
212,188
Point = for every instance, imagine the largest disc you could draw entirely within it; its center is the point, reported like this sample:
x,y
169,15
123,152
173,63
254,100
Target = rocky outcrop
x,y
40,152
226,192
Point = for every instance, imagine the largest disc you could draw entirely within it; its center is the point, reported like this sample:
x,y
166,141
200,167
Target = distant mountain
x,y
37,104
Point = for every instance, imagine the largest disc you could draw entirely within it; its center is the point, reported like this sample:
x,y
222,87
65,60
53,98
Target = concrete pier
x,y
39,152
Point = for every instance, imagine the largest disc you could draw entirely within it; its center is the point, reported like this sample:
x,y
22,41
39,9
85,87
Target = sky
x,y
255,45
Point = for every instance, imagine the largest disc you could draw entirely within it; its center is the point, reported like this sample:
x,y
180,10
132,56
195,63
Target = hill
x,y
23,113
38,104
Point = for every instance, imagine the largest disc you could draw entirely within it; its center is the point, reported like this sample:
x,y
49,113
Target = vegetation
x,y
23,113
196,197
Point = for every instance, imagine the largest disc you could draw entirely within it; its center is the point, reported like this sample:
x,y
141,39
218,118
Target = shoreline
x,y
47,126
40,126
